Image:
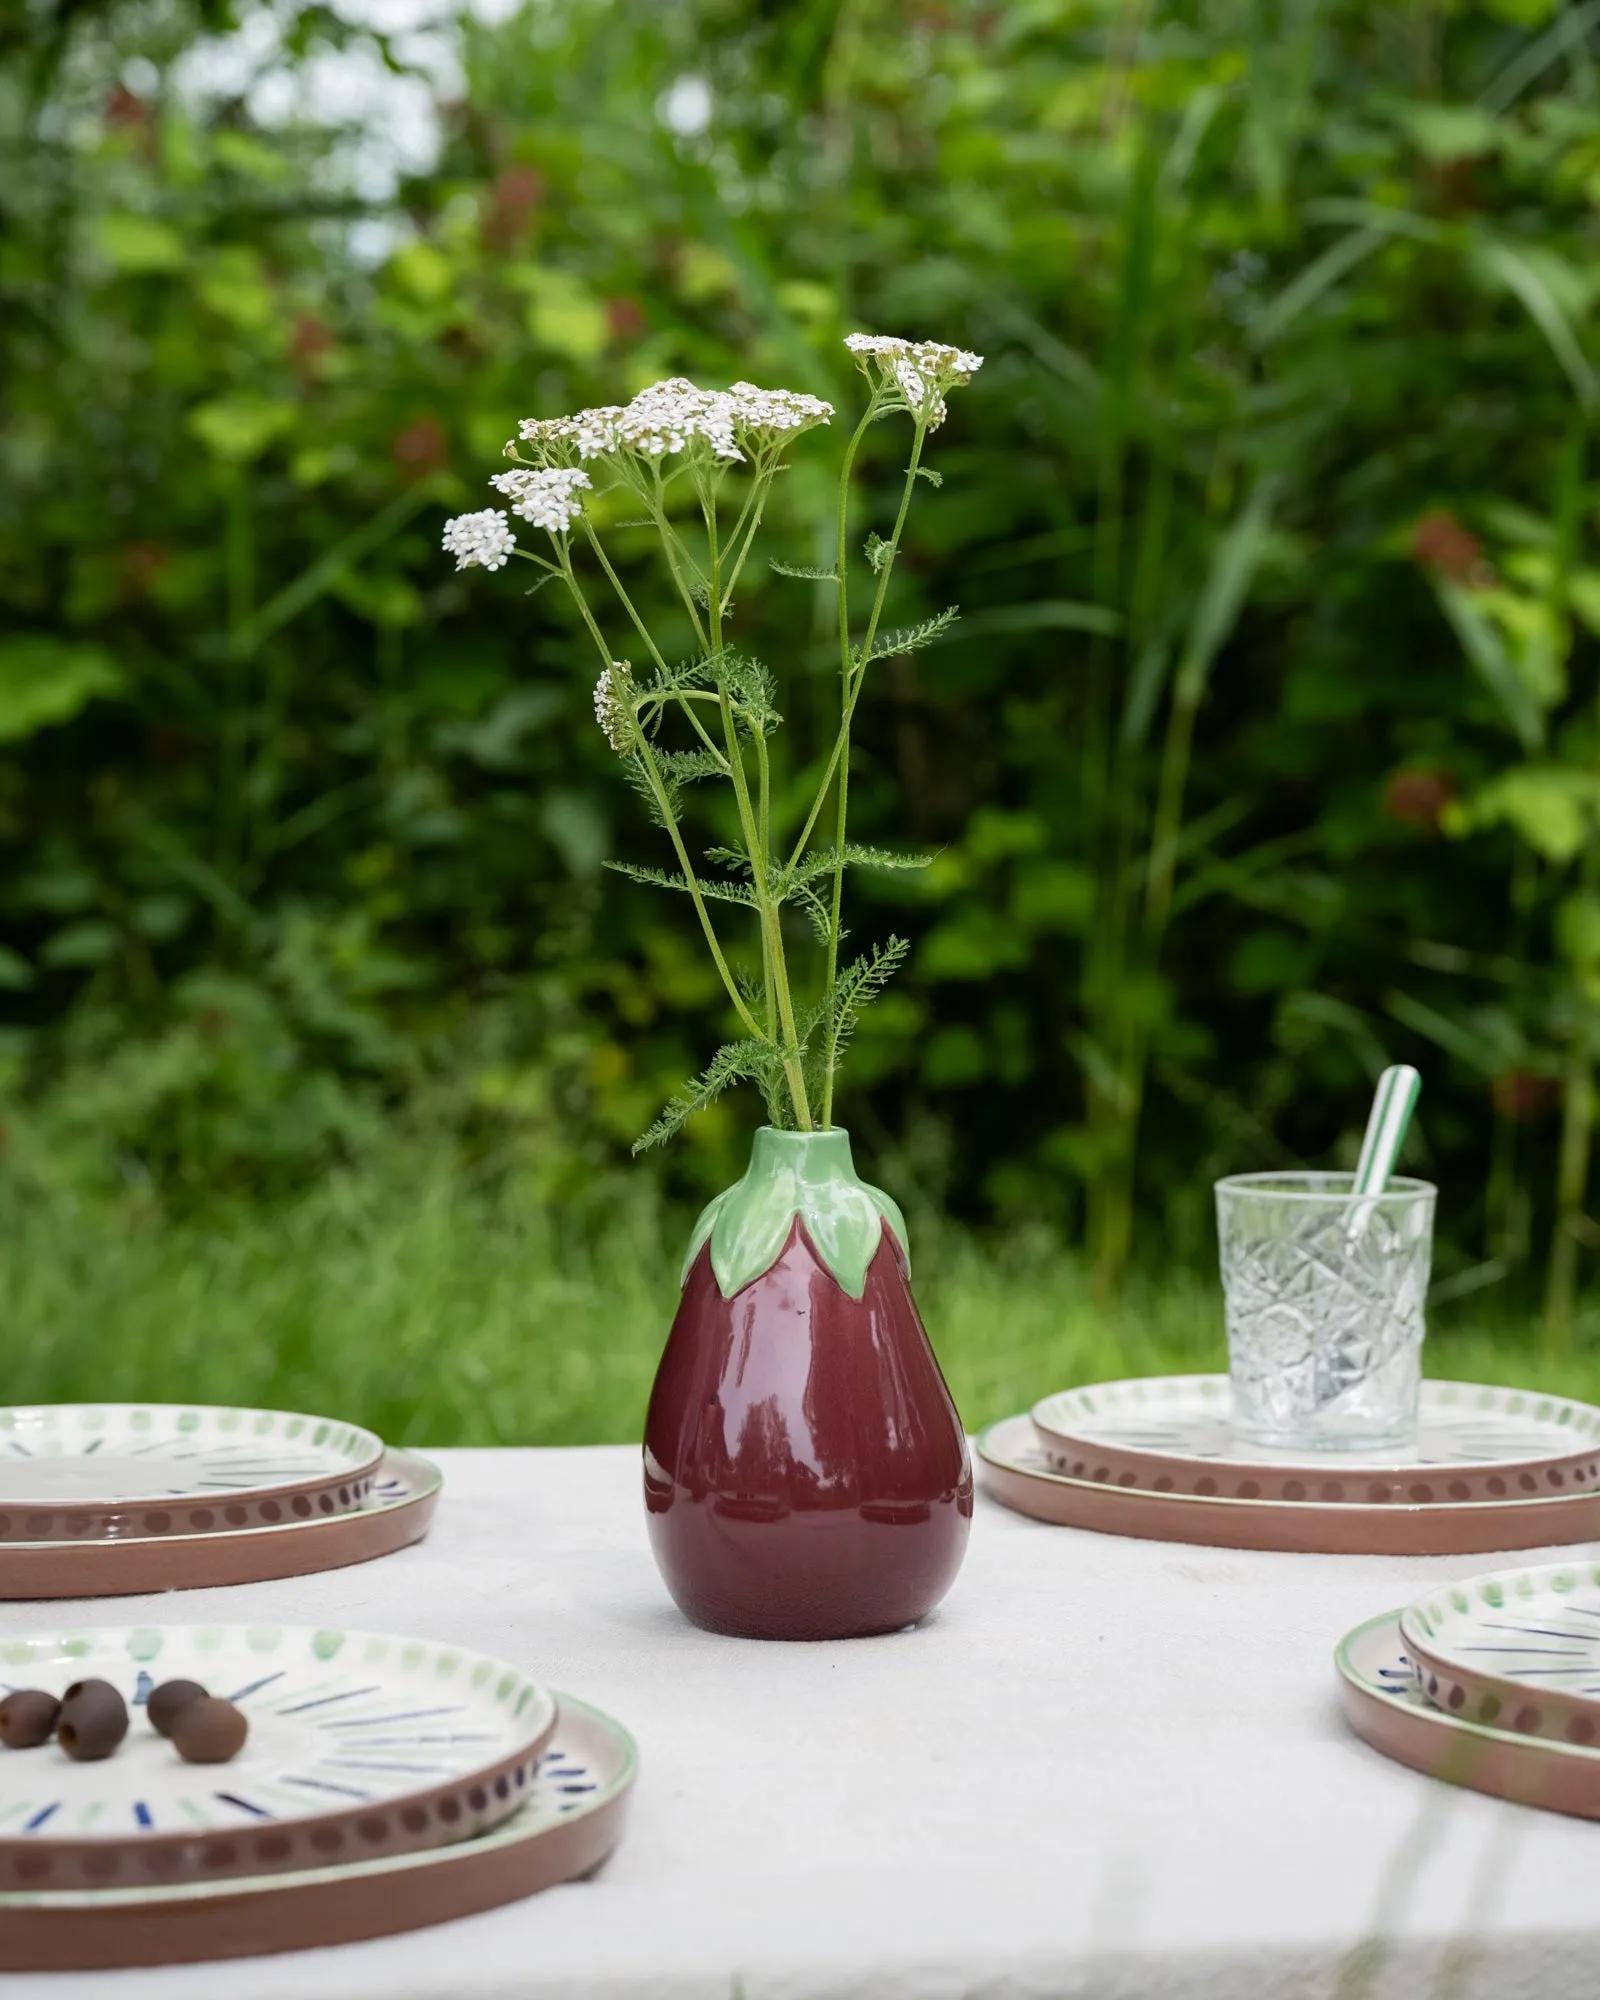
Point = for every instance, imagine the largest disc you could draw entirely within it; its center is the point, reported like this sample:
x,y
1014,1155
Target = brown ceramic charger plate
x,y
1016,1471
397,1511
572,1819
73,1472
1173,1434
1384,1705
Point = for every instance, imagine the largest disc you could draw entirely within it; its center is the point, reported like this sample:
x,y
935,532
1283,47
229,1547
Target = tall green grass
x,y
441,1312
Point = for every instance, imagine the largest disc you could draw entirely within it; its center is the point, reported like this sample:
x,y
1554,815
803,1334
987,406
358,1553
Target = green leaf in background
x,y
564,316
1554,807
1486,649
81,946
48,680
138,243
423,271
233,284
1536,280
1446,132
16,974
240,428
1578,929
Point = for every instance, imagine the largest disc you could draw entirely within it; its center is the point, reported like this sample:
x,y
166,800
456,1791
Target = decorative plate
x,y
75,1471
359,1742
1383,1703
397,1511
571,1817
1017,1472
1520,1648
1171,1434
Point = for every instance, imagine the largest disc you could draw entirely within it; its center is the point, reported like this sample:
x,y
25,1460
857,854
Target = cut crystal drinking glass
x,y
1325,1300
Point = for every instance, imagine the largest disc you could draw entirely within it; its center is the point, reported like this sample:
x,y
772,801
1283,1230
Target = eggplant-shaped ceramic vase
x,y
805,1472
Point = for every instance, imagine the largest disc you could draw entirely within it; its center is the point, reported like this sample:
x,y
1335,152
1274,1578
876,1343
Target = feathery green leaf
x,y
663,878
910,638
806,575
734,1062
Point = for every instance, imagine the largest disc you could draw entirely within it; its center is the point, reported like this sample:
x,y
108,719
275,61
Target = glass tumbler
x,y
1325,1294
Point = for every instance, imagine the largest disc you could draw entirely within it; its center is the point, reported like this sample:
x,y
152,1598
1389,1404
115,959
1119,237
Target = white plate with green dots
x,y
361,1744
91,1471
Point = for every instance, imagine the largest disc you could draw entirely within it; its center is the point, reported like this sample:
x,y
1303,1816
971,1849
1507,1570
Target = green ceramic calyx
x,y
805,1174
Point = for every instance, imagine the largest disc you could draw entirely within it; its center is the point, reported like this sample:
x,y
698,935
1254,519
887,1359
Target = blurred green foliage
x,y
1265,751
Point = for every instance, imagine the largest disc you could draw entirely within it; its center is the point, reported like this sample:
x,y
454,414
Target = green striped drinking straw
x,y
1390,1118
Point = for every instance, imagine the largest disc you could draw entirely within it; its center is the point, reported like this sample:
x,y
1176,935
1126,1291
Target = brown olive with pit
x,y
168,1702
28,1718
209,1731
92,1722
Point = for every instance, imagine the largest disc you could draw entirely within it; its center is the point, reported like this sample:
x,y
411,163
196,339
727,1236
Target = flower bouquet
x,y
805,1472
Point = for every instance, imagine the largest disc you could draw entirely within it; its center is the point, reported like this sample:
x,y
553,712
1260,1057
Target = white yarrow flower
x,y
675,416
479,540
548,498
922,370
613,705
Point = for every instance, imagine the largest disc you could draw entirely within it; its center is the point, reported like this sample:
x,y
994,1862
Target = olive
x,y
209,1731
93,1720
168,1702
28,1718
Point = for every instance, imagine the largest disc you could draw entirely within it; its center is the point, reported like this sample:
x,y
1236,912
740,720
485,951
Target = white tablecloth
x,y
1103,1769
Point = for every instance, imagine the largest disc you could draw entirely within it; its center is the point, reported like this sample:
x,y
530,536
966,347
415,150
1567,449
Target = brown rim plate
x,y
1383,1703
572,1819
74,1472
1172,1434
398,1511
1016,1471
1517,1649
359,1742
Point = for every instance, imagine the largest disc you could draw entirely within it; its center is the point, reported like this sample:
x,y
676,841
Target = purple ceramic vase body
x,y
805,1472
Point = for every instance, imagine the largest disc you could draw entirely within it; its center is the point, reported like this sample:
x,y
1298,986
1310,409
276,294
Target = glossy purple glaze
x,y
805,1472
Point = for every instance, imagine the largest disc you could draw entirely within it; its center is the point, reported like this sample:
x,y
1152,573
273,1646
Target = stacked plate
x,y
112,1499
1492,1683
386,1783
1157,1457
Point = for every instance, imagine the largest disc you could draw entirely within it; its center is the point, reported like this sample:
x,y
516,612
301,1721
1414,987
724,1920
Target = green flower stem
x,y
843,588
672,544
852,691
664,804
746,526
679,694
771,924
775,969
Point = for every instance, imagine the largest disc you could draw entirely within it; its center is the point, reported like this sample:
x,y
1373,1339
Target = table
x,y
1105,1769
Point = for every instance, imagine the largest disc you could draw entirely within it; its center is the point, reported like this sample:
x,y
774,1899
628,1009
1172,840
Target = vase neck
x,y
806,1175
812,1158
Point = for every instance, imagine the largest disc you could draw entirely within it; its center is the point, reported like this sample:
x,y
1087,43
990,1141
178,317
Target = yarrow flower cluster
x,y
613,705
670,434
922,370
482,540
548,498
671,416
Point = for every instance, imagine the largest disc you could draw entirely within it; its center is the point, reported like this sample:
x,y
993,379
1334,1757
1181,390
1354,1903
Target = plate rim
x,y
1439,1528
1354,1464
1506,1690
372,1450
261,1552
251,1530
186,1850
505,1834
1350,1509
